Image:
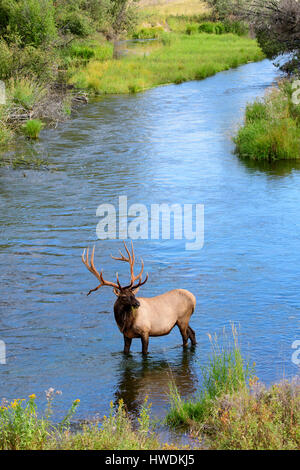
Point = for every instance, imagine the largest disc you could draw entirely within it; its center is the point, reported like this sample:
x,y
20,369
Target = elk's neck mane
x,y
124,316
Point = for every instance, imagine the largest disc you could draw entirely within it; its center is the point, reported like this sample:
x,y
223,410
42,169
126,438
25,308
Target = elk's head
x,y
125,294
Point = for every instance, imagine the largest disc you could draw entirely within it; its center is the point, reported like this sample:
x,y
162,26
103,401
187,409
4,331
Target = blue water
x,y
171,144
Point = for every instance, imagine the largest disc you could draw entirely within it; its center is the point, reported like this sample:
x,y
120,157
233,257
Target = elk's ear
x,y
135,291
116,292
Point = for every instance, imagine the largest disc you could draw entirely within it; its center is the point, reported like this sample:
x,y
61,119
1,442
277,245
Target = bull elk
x,y
141,317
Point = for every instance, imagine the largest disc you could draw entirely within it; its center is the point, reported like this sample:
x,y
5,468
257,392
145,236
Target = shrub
x,y
236,27
76,23
32,128
33,20
207,27
191,28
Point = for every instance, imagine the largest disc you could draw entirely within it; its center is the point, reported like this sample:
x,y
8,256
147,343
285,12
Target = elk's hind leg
x,y
192,335
184,333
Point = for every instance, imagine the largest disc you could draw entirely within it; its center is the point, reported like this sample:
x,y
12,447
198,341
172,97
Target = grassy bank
x,y
232,410
272,127
176,58
52,53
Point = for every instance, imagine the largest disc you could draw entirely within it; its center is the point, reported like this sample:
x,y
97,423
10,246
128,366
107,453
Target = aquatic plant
x,y
32,128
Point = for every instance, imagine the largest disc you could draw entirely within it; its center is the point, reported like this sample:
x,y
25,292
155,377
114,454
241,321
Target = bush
x,y
33,20
212,28
207,27
236,27
192,28
76,23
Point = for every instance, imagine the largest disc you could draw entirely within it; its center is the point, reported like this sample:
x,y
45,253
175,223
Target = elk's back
x,y
159,314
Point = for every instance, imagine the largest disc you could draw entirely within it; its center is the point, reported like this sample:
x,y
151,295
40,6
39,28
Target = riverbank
x,y
174,58
231,411
50,73
271,130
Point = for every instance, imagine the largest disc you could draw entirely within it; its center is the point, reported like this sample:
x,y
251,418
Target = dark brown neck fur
x,y
124,315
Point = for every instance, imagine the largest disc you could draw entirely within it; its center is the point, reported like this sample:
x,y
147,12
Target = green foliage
x,y
225,373
148,33
223,9
116,432
22,429
32,128
25,92
256,419
192,28
32,20
184,57
76,23
208,27
236,27
272,128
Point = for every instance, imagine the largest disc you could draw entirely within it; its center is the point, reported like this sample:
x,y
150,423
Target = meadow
x,y
174,58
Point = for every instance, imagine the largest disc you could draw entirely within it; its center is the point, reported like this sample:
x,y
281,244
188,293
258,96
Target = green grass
x,y
225,373
272,128
25,92
179,59
32,128
234,411
22,428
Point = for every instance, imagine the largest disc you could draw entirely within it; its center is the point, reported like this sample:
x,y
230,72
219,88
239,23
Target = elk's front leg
x,y
145,343
127,344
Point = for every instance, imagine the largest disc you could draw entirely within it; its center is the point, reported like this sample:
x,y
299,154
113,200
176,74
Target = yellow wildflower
x,y
32,396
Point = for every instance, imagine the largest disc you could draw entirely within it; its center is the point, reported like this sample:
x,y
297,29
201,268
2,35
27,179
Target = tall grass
x,y
32,128
226,372
185,57
272,128
25,92
233,410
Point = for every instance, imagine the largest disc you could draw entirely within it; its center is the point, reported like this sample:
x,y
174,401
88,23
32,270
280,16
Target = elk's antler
x,y
91,267
131,260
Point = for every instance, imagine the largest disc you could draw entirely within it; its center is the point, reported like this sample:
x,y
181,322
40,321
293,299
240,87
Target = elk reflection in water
x,y
151,376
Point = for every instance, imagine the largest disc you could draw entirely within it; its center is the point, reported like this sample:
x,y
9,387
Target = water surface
x,y
171,144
